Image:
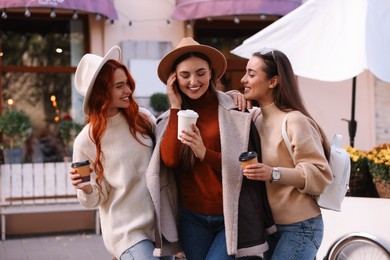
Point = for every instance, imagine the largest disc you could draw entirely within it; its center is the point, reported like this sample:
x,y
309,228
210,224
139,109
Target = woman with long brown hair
x,y
291,182
118,140
196,183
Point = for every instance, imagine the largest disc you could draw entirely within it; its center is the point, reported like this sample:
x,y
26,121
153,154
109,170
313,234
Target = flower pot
x,y
13,155
360,182
383,188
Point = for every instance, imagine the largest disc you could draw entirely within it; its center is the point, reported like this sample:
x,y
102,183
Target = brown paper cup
x,y
248,158
84,171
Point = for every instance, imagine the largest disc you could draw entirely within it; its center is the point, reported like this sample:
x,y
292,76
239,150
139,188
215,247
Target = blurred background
x,y
41,43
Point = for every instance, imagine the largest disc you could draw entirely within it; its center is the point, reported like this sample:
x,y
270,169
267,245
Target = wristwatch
x,y
275,174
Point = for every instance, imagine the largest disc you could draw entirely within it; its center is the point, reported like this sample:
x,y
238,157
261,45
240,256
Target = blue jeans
x,y
296,241
203,236
143,250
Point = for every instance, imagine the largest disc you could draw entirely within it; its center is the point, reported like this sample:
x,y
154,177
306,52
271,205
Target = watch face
x,y
275,174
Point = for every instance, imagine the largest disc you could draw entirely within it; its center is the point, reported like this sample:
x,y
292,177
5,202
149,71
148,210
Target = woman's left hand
x,y
194,140
239,100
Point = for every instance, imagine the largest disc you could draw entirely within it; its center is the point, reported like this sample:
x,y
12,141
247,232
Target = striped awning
x,y
102,7
197,9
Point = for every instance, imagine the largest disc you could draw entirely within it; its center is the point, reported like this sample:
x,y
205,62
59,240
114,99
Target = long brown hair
x,y
286,94
98,105
186,152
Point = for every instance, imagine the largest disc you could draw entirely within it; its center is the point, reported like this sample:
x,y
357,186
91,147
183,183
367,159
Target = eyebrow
x,y
119,83
198,70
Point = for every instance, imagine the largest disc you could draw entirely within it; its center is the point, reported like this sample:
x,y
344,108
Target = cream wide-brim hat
x,y
187,45
87,71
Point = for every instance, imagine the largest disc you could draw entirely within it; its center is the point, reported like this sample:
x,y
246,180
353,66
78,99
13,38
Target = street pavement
x,y
70,246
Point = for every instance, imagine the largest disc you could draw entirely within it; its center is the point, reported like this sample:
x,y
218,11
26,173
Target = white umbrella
x,y
331,40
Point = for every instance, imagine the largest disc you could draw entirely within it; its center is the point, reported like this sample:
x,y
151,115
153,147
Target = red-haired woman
x,y
118,141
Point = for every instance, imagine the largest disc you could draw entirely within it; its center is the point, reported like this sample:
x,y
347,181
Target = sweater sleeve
x,y
214,159
83,150
311,164
170,145
95,198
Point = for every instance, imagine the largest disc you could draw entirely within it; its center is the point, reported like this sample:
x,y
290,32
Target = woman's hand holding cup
x,y
80,176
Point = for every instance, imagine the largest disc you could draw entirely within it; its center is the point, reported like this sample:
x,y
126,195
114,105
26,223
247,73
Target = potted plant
x,y
15,126
379,165
159,102
360,183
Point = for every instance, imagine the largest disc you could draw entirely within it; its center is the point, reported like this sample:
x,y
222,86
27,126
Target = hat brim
x,y
113,54
217,59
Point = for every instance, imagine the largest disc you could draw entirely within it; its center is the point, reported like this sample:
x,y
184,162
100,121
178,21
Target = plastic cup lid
x,y
246,156
78,164
188,113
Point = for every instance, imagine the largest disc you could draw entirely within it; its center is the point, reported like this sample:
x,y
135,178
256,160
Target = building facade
x,y
40,47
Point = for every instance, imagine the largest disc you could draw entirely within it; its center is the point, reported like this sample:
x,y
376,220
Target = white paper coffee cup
x,y
186,118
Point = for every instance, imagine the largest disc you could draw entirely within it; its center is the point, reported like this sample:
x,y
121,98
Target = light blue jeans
x,y
143,250
203,236
298,241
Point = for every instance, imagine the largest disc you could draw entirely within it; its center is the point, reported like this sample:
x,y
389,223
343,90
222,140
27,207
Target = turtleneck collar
x,y
207,98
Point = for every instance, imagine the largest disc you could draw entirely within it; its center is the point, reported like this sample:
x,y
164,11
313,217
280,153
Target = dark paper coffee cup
x,y
84,171
248,158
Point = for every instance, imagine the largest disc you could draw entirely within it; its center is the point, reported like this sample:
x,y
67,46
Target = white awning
x,y
330,40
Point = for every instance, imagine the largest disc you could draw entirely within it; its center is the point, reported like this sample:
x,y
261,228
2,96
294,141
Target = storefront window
x,y
38,60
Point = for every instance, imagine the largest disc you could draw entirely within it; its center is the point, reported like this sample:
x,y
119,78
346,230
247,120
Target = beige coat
x,y
234,131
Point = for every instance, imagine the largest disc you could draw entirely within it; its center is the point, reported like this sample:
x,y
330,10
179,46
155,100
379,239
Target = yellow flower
x,y
358,160
354,153
379,161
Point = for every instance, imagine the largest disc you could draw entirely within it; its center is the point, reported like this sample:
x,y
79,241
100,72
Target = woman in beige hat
x,y
118,140
195,182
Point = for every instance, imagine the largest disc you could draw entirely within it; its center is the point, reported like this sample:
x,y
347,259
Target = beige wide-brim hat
x,y
187,45
87,71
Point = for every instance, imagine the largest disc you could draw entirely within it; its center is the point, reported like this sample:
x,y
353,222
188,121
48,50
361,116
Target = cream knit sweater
x,y
291,198
125,206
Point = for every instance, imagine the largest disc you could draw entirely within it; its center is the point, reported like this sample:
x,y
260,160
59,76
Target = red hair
x,y
98,105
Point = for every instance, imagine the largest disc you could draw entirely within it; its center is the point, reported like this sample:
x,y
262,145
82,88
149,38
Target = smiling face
x,y
193,76
120,92
257,85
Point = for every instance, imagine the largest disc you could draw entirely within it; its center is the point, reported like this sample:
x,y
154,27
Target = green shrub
x,y
15,125
159,102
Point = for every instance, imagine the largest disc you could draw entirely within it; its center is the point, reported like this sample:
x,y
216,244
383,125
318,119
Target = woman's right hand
x,y
76,180
258,172
194,140
173,91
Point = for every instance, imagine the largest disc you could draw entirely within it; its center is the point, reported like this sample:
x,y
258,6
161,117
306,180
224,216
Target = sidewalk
x,y
73,246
